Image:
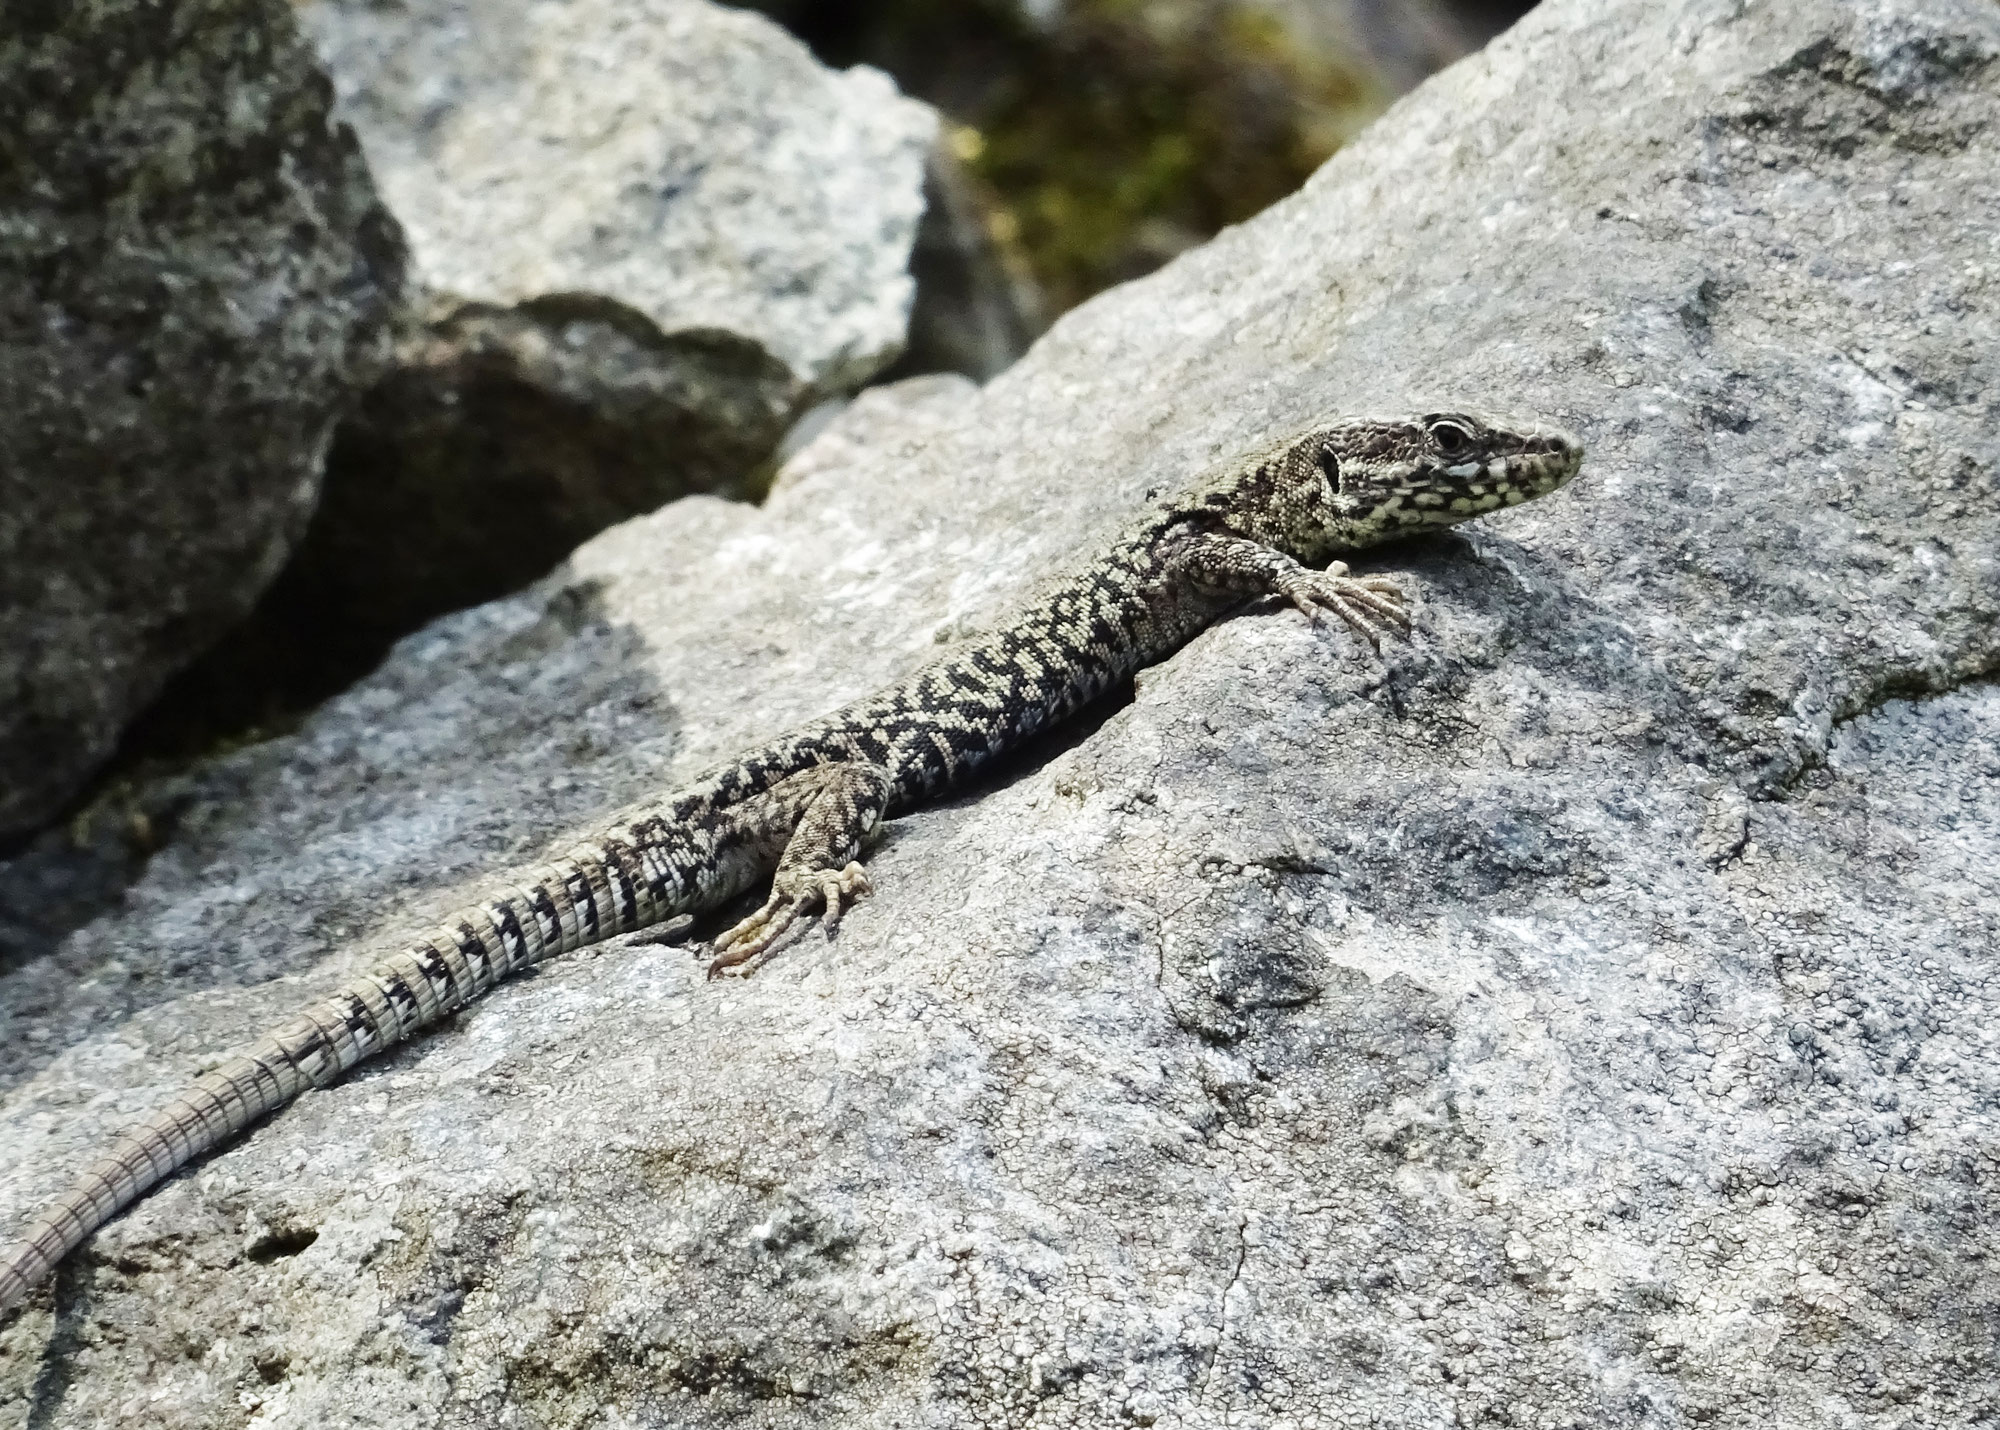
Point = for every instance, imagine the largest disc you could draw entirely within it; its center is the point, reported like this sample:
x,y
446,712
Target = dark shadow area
x,y
71,873
1490,17
470,471
975,312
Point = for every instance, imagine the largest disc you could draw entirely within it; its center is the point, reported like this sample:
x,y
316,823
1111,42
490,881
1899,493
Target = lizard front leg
x,y
1238,564
831,810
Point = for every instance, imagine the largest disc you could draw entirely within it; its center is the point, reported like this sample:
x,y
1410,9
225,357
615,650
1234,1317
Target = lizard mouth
x,y
1549,458
1557,444
1542,461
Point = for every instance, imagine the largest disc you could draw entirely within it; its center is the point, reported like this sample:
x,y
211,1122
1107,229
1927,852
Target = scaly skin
x,y
801,808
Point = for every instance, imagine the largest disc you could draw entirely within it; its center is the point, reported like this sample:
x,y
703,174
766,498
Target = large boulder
x,y
1580,1016
195,278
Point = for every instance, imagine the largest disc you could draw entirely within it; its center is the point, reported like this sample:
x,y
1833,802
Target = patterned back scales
x,y
800,809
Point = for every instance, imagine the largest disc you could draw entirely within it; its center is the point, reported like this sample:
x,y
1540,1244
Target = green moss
x,y
1136,130
1120,132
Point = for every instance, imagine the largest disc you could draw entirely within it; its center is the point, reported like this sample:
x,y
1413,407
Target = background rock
x,y
976,311
1402,42
684,161
650,234
1103,137
195,277
1581,1018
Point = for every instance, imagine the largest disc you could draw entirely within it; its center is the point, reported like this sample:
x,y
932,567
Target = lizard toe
x,y
839,888
748,937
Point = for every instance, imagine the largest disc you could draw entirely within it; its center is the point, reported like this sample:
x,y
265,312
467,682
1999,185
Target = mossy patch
x,y
1118,133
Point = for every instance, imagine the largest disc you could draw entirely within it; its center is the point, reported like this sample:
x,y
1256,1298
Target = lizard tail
x,y
575,901
220,1104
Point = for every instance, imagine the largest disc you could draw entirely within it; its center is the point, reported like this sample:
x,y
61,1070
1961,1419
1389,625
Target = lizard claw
x,y
838,890
1355,599
791,899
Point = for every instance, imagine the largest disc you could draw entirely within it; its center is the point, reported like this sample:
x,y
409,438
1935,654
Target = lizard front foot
x,y
793,896
1355,599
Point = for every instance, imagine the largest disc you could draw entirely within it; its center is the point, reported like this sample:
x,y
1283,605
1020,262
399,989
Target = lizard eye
x,y
1451,438
1329,466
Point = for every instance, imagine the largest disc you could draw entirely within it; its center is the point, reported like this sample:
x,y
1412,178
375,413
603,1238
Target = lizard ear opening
x,y
1329,467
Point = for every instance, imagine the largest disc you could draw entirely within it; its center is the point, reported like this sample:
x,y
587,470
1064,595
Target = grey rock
x,y
649,233
195,277
689,163
1581,1017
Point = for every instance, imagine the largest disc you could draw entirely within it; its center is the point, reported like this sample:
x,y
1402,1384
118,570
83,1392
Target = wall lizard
x,y
801,809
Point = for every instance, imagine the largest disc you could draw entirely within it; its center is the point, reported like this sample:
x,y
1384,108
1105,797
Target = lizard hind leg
x,y
835,808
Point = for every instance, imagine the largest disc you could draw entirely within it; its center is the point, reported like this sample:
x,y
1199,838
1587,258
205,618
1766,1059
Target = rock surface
x,y
195,277
1583,1018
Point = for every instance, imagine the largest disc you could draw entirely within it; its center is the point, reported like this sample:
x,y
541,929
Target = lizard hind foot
x,y
792,900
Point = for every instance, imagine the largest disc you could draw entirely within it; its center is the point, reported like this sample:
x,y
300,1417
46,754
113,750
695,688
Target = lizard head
x,y
1394,477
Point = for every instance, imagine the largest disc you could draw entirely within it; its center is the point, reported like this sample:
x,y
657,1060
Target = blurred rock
x,y
1103,137
975,312
1107,137
689,163
195,278
1399,42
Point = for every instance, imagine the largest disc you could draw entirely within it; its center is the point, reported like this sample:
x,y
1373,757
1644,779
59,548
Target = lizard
x,y
801,809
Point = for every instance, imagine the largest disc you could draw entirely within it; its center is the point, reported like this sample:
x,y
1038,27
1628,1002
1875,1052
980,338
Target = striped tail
x,y
593,893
